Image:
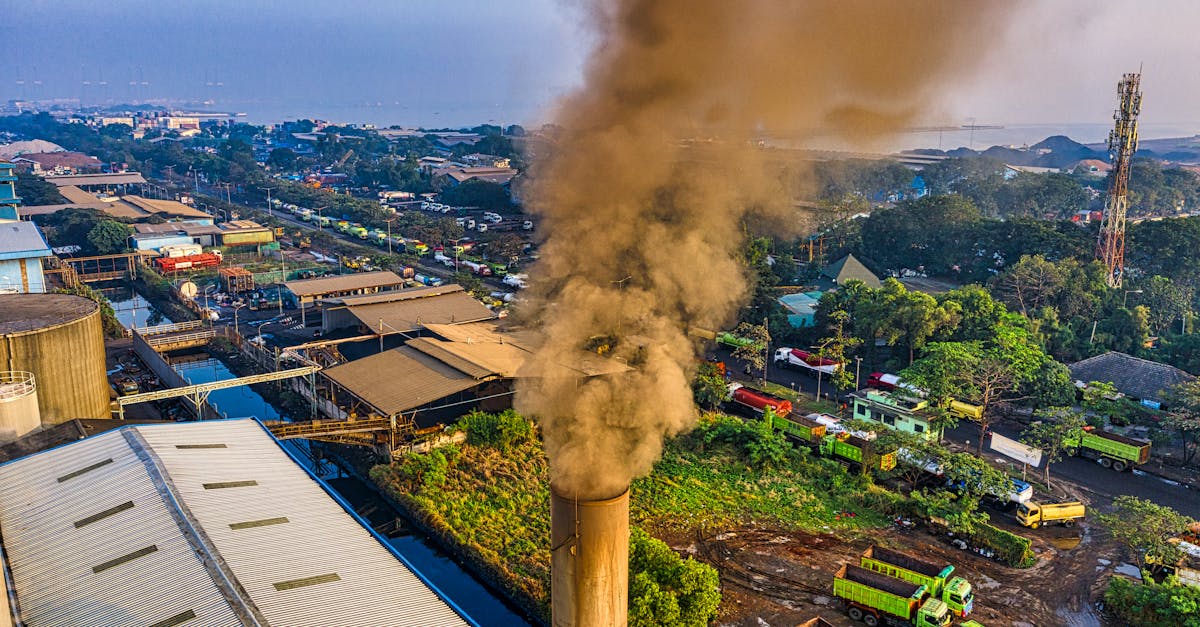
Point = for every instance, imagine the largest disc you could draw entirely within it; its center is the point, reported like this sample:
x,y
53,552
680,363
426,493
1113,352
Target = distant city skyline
x,y
472,62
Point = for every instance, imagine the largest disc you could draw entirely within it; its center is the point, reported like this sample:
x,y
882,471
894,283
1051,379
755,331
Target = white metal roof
x,y
202,523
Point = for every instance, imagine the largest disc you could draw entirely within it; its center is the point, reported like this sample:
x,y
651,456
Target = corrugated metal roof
x,y
399,380
445,353
344,283
408,315
22,240
211,518
117,178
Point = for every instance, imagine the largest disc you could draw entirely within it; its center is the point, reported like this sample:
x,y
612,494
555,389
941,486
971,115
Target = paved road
x,y
1100,483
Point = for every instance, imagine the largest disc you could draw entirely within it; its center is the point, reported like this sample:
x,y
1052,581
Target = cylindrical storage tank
x,y
18,405
60,339
589,561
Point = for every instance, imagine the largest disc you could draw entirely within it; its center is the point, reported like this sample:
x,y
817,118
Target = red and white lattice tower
x,y
1122,143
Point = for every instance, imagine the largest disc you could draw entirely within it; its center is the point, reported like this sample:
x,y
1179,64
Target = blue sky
x,y
470,61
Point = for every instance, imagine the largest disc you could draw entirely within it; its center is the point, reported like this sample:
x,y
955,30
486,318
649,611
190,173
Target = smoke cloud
x,y
654,163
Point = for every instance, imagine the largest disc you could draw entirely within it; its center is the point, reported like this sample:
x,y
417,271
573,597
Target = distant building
x,y
897,411
9,200
22,249
1011,171
499,176
487,161
848,268
155,236
58,163
1137,378
1092,167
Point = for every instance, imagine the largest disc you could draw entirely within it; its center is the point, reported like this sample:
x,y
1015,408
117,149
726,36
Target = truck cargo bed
x,y
906,562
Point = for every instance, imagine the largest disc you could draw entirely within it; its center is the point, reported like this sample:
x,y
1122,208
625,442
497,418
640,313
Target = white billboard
x,y
1016,450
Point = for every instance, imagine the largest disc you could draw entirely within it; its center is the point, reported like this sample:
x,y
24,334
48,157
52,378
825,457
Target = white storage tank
x,y
19,413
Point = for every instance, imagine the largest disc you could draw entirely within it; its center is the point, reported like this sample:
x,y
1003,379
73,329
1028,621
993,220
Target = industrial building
x,y
58,162
402,311
245,233
311,291
60,339
201,523
130,207
155,236
451,365
22,249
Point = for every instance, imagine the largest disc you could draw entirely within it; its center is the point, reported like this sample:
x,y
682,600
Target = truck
x,y
1108,449
955,592
758,401
877,599
306,215
180,250
858,450
733,341
358,230
431,281
519,281
796,358
379,238
798,427
1018,493
1033,514
481,269
324,221
189,262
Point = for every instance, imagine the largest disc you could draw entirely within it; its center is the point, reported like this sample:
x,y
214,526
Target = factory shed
x,y
203,523
309,291
404,311
400,380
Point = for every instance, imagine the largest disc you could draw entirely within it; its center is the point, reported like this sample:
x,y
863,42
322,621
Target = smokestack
x,y
589,560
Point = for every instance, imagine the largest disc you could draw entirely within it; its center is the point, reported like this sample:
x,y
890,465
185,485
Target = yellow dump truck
x,y
1034,515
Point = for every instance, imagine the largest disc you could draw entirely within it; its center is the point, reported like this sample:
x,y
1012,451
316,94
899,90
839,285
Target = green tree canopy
x,y
109,236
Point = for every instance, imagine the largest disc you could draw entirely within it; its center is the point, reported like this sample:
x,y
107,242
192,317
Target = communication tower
x,y
1122,143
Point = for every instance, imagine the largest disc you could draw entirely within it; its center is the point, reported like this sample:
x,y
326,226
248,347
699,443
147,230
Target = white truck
x,y
796,358
519,281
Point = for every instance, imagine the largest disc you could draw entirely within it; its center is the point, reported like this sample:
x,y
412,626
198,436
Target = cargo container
x,y
861,451
1108,449
800,428
955,592
876,599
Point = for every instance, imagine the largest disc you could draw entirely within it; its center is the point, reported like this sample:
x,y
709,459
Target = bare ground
x,y
773,577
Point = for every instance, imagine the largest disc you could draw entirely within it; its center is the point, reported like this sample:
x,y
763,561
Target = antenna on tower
x,y
1122,143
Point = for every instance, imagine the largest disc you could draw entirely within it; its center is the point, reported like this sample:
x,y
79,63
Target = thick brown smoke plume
x,y
644,187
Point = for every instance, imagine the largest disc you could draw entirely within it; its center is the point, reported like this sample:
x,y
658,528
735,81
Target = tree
x,y
754,352
709,387
109,236
1183,407
34,191
1145,528
1151,604
1051,433
971,479
1029,284
836,346
665,589
282,158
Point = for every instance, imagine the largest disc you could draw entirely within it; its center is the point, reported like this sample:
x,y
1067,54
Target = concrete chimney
x,y
589,561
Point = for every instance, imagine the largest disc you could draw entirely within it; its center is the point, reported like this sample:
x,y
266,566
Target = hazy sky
x,y
469,61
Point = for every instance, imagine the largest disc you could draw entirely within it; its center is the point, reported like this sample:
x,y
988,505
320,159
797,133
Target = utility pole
x,y
269,214
389,235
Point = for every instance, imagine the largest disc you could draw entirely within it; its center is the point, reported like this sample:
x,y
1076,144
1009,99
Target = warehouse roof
x,y
115,178
344,283
1132,376
22,240
214,518
400,379
405,311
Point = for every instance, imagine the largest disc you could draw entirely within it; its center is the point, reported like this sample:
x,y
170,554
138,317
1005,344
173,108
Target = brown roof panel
x,y
399,380
344,283
403,316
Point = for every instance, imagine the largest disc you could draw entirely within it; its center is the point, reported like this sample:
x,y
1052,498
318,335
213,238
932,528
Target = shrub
x,y
1015,550
500,431
665,589
1152,604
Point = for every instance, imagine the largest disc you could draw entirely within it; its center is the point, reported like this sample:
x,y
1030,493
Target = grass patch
x,y
489,498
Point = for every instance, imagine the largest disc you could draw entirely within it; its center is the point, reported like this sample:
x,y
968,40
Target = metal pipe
x,y
589,560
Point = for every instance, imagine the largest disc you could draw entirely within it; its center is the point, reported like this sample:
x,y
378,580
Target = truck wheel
x,y
854,613
1033,526
1071,452
1106,462
1119,466
870,620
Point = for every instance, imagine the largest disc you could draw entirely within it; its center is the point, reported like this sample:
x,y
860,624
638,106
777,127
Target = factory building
x,y
22,249
202,523
312,291
402,311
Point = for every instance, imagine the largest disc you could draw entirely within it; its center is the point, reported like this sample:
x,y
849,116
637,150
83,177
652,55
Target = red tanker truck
x,y
758,401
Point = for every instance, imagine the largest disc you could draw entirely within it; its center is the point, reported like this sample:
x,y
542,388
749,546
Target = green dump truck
x,y
800,428
877,599
955,592
1108,449
852,448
